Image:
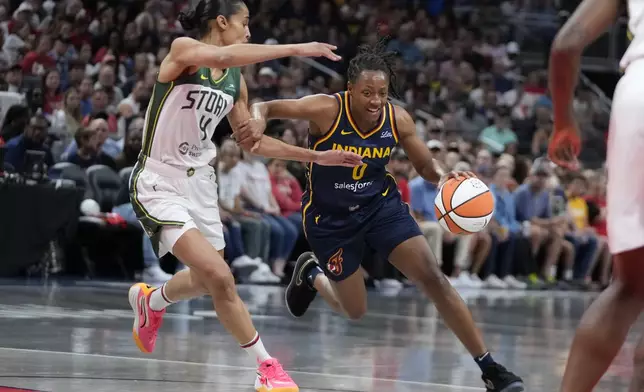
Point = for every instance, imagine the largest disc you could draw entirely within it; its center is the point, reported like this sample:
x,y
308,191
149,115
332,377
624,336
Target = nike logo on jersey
x,y
346,133
385,192
203,77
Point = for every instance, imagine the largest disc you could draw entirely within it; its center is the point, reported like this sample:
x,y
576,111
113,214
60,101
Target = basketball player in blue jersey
x,y
347,209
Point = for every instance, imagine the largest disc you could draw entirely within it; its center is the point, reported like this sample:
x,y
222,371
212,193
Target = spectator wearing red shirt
x,y
287,191
38,61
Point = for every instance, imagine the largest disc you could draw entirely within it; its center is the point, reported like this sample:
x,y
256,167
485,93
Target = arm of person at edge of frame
x,y
589,21
242,122
419,155
186,52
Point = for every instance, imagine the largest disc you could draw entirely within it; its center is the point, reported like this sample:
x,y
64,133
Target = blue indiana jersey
x,y
340,190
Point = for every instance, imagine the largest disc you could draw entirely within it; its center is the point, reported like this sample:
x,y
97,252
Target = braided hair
x,y
374,58
196,18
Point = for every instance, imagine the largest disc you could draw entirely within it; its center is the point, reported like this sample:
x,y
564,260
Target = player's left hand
x,y
338,158
249,133
457,175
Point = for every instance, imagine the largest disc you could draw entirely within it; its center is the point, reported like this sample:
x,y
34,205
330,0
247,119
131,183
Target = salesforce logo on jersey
x,y
353,186
192,151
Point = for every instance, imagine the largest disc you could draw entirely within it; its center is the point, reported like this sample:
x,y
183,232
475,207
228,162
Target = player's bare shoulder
x,y
403,119
173,65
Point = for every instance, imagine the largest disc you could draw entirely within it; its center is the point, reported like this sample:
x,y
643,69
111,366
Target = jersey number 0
x,y
358,171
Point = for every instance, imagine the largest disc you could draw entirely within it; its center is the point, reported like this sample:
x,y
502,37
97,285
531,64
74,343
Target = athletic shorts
x,y
625,189
339,241
169,201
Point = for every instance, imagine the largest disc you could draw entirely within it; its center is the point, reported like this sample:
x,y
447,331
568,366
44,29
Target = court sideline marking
x,y
216,365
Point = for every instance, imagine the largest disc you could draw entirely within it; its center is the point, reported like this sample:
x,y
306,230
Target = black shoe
x,y
299,294
499,379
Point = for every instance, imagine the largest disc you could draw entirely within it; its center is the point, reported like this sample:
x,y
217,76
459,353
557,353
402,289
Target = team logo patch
x,y
334,265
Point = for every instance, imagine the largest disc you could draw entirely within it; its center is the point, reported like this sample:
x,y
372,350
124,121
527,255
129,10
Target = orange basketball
x,y
464,206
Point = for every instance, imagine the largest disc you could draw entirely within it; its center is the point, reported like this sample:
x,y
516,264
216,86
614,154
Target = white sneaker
x,y
268,274
155,274
465,281
243,261
476,281
494,282
513,283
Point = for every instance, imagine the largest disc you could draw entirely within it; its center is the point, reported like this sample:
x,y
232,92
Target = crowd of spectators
x,y
77,77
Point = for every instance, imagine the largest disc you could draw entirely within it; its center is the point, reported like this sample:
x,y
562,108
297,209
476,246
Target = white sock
x,y
255,348
159,300
568,274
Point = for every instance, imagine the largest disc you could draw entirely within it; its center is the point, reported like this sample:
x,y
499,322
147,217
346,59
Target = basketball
x,y
464,206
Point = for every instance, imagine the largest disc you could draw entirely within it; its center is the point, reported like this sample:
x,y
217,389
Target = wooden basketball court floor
x,y
77,337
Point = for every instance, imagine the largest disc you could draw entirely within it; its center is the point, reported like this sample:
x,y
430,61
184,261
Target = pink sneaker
x,y
146,321
272,378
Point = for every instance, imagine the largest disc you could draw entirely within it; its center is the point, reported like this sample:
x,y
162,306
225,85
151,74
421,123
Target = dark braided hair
x,y
197,17
374,58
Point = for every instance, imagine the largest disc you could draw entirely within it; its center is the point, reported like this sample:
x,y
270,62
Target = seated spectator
x,y
423,194
596,199
52,94
251,234
287,191
131,149
107,145
506,230
38,61
533,210
499,138
33,138
66,121
399,166
582,235
257,193
89,152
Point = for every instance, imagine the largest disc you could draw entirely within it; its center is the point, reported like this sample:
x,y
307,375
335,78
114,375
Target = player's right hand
x,y
318,49
338,158
564,147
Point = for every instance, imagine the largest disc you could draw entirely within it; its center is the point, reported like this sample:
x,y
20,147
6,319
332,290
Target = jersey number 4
x,y
358,171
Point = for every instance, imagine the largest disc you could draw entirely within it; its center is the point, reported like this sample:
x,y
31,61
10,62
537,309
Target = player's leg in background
x,y
603,328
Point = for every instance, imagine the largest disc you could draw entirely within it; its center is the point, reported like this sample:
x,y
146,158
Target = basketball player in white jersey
x,y
604,327
173,187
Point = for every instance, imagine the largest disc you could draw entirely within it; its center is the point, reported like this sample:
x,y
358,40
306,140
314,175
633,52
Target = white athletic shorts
x,y
625,163
169,201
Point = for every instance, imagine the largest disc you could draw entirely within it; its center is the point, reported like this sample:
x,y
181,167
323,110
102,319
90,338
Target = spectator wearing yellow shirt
x,y
582,236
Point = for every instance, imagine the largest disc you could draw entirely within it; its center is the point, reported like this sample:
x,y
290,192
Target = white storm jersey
x,y
635,33
183,114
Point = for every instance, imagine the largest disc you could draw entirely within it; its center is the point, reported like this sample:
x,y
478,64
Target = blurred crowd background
x,y
76,78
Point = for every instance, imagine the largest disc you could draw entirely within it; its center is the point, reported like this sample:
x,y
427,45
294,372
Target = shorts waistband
x,y
166,170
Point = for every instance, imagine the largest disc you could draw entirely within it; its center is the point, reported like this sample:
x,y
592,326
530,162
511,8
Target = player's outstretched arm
x,y
186,52
313,108
243,123
419,155
589,21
